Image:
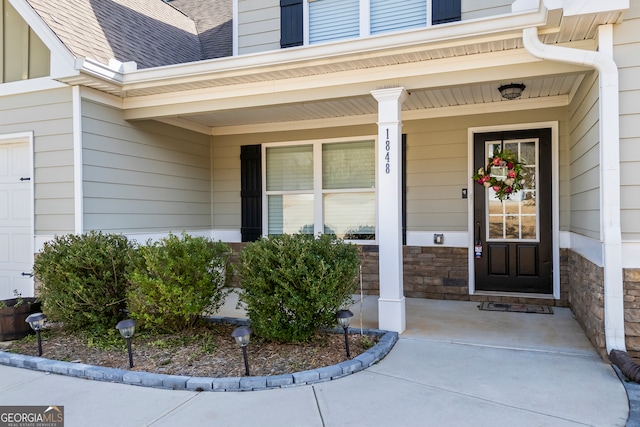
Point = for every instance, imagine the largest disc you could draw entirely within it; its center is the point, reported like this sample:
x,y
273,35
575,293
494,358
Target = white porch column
x,y
391,304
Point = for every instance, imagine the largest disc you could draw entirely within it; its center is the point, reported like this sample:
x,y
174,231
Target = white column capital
x,y
398,94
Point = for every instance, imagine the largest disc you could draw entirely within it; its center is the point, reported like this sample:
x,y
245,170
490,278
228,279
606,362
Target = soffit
x,y
424,99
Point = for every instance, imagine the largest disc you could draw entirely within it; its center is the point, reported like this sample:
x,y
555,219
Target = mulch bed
x,y
206,351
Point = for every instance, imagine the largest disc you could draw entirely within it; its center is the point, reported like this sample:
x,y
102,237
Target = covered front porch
x,y
432,90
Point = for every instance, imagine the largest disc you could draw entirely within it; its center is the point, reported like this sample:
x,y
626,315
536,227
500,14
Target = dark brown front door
x,y
515,234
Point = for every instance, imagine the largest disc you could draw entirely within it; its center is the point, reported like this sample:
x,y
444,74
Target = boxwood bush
x,y
175,279
293,285
83,279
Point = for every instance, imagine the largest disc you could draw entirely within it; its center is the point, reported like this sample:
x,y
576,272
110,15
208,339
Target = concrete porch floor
x,y
462,322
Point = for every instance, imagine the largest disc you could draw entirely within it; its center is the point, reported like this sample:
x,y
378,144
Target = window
x,y
394,15
321,187
340,19
333,20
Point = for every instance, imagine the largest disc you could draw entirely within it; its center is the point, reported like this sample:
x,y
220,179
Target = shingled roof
x,y
150,32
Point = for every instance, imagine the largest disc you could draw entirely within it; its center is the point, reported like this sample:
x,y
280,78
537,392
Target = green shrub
x,y
176,279
293,285
83,279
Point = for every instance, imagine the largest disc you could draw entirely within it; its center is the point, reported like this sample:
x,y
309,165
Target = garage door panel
x,y
21,249
4,205
20,204
4,248
4,164
19,165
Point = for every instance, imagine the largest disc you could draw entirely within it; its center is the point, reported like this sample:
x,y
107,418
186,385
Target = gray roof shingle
x,y
214,24
150,32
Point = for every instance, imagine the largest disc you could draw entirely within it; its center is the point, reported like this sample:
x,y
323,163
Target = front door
x,y
515,234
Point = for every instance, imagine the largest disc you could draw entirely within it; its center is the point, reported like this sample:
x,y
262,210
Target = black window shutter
x,y
291,23
251,192
445,11
404,189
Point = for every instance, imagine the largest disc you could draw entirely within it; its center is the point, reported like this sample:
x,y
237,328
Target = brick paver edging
x,y
178,382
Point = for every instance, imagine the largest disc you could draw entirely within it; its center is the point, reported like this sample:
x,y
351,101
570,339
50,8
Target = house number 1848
x,y
387,156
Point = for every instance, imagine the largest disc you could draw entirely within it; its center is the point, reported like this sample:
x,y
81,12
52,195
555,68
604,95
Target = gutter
x,y
609,133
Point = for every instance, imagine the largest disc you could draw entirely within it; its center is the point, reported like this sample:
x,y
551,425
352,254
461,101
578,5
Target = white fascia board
x,y
62,59
443,35
101,97
586,7
102,71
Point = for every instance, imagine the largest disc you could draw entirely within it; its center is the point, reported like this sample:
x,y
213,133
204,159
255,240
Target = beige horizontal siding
x,y
584,158
258,25
627,56
472,9
48,115
141,176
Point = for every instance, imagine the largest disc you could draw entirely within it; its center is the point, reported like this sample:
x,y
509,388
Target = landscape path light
x,y
127,328
344,318
36,321
242,334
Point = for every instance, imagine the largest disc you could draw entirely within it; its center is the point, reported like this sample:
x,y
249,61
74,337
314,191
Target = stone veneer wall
x,y
436,273
586,298
632,311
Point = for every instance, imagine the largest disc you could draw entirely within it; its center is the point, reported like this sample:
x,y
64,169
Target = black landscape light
x,y
127,328
344,318
242,334
36,321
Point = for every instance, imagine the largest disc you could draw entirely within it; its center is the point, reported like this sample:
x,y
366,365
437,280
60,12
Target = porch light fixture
x,y
344,318
242,334
511,91
127,328
36,321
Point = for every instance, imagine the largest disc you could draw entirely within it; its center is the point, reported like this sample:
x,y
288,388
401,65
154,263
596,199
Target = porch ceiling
x,y
556,87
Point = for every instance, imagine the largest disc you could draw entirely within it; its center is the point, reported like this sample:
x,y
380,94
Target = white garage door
x,y
16,253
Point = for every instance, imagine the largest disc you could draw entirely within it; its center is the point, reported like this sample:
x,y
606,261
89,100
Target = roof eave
x,y
459,33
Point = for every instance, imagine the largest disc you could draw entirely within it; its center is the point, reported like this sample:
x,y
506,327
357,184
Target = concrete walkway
x,y
454,366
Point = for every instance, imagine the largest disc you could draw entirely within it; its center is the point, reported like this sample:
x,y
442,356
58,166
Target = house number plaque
x,y
387,155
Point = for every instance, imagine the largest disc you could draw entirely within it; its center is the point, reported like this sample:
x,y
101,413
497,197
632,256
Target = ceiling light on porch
x,y
511,91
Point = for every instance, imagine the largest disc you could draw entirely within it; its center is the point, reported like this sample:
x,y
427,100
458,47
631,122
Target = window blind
x,y
390,15
333,20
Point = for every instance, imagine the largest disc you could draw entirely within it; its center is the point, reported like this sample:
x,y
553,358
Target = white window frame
x,y
365,21
318,191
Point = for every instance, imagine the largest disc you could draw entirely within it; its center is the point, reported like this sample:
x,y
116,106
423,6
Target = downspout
x,y
602,61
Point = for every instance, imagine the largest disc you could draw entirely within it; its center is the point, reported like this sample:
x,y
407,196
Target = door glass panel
x,y
515,218
496,227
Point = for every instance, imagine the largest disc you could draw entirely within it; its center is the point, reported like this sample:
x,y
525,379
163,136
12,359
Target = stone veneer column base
x,y
586,299
631,282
